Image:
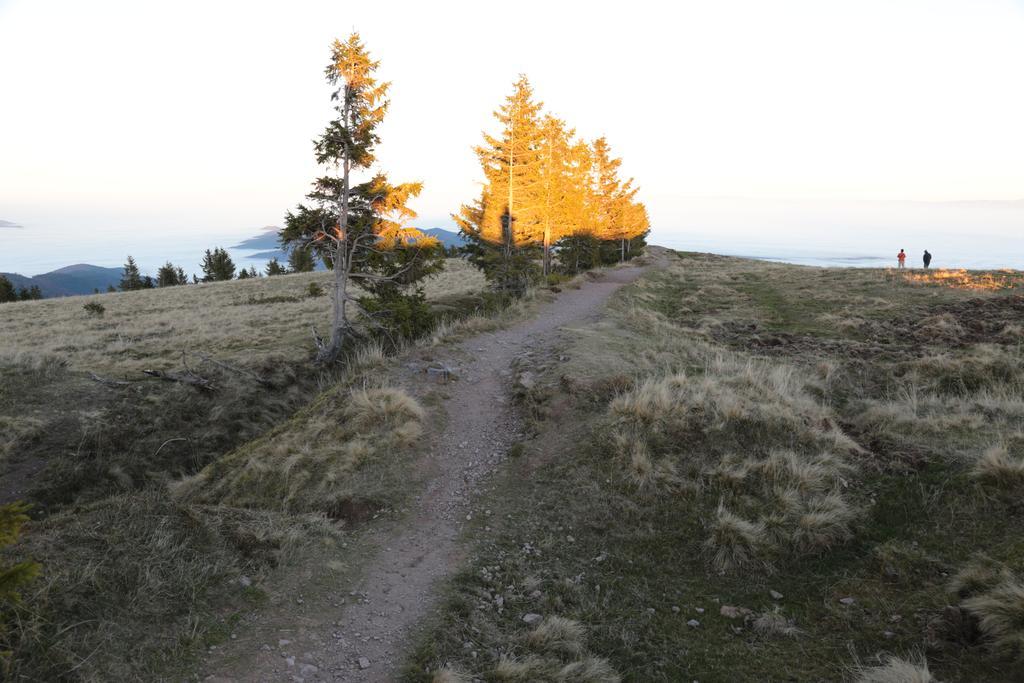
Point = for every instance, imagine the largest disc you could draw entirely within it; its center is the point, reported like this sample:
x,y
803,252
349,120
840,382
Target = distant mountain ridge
x,y
80,278
270,248
83,278
266,240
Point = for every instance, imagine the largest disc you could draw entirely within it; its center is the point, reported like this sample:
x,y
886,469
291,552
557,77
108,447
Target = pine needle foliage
x,y
359,229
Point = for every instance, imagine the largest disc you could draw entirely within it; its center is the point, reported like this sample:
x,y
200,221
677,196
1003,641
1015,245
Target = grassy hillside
x,y
134,579
759,472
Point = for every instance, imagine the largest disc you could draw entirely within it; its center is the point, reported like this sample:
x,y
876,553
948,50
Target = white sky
x,y
197,116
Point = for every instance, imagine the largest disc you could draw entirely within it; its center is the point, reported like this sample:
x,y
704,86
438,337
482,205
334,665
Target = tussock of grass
x,y
735,542
993,595
14,431
896,670
774,624
980,575
447,675
984,366
519,669
825,523
312,462
587,670
558,634
684,428
998,468
1000,615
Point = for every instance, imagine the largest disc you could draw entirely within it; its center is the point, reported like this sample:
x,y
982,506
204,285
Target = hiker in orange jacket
x,y
902,258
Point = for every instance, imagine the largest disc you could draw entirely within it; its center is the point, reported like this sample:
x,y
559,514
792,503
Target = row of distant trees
x,y
217,266
9,293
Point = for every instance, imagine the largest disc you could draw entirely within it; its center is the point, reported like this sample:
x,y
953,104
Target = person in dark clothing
x,y
927,258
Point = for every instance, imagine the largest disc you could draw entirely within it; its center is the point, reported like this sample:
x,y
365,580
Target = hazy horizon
x,y
971,235
139,127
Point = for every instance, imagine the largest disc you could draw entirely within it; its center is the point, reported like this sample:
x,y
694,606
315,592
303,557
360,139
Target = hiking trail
x,y
366,634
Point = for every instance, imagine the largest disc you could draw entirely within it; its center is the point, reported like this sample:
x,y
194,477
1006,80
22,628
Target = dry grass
x,y
241,320
132,576
998,468
117,599
993,595
895,670
730,414
979,576
14,431
681,428
312,462
774,624
559,635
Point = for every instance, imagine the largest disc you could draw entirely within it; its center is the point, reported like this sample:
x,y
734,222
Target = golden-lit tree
x,y
557,211
511,169
542,186
358,229
617,216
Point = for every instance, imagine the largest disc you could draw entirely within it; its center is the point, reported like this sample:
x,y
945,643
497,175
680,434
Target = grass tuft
x,y
896,670
558,634
734,542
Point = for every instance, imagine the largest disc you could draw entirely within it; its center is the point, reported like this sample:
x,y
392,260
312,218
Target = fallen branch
x,y
108,382
194,380
234,368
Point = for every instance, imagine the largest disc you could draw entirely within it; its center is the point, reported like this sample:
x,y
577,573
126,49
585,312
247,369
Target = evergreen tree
x,y
170,275
131,279
616,215
579,252
357,229
275,268
30,293
301,261
243,274
7,291
503,227
555,180
217,266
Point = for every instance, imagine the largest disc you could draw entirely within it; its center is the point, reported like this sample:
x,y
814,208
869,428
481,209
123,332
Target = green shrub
x,y
398,316
12,576
94,308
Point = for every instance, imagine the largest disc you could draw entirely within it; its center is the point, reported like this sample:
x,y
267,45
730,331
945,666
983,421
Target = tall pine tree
x,y
506,221
131,278
359,230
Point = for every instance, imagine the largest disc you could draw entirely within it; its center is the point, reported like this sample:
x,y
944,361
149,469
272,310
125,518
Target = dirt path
x,y
366,639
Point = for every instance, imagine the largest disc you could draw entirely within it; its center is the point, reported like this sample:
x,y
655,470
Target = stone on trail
x,y
693,623
847,601
532,618
776,595
364,663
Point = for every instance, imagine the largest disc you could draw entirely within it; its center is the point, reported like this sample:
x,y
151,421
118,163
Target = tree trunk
x,y
329,352
547,250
